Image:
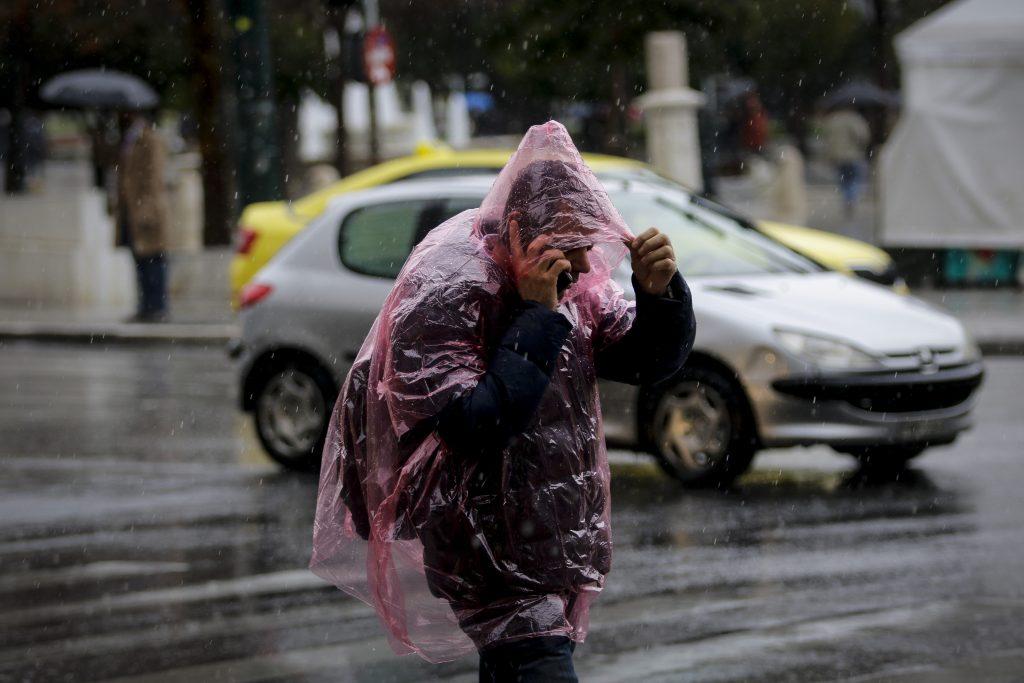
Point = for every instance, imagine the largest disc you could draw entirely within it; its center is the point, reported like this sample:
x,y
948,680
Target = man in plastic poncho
x,y
464,491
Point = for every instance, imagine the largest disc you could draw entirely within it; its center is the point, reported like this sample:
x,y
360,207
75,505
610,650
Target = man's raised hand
x,y
653,261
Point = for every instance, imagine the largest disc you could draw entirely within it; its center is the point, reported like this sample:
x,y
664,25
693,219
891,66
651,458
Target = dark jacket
x,y
516,495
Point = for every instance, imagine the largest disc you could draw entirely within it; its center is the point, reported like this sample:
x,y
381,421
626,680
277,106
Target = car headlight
x,y
824,352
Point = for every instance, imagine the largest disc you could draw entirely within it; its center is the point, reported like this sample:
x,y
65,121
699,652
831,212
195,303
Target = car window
x,y
456,205
440,211
375,240
708,243
635,174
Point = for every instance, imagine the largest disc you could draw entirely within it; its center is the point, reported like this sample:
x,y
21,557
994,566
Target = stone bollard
x,y
458,126
423,113
670,110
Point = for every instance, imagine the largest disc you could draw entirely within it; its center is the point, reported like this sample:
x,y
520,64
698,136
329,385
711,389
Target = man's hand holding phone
x,y
537,268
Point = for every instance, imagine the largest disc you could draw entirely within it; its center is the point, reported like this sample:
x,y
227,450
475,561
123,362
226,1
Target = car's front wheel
x,y
292,411
700,428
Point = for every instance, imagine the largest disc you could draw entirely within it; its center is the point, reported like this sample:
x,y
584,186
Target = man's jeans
x,y
546,658
151,272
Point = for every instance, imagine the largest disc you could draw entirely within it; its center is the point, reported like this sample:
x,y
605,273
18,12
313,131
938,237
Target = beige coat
x,y
142,194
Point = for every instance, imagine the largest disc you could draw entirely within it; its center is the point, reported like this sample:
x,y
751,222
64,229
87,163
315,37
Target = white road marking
x,y
674,658
278,582
94,571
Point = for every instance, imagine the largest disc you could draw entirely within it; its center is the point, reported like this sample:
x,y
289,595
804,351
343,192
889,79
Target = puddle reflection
x,y
765,505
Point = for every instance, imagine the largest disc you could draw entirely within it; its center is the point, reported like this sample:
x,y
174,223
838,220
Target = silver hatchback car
x,y
786,354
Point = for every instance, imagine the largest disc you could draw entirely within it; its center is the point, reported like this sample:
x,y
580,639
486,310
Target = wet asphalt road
x,y
143,535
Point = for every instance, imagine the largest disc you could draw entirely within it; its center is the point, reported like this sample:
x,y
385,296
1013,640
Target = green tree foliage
x,y
297,47
148,38
796,50
437,39
535,51
538,52
53,36
572,49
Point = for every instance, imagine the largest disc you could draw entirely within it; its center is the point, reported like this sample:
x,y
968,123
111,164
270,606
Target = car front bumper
x,y
868,409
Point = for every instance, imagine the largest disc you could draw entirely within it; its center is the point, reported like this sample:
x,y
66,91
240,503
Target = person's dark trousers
x,y
546,658
151,272
851,181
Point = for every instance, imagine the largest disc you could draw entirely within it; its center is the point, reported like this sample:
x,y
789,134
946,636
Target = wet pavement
x,y
144,536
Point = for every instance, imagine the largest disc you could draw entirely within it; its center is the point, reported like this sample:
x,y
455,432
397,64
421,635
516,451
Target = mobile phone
x,y
565,280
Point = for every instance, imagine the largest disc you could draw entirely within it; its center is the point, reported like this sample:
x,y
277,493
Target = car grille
x,y
910,398
890,392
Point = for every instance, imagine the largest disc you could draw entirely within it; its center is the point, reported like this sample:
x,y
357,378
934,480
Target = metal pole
x,y
259,156
216,133
374,144
372,15
15,176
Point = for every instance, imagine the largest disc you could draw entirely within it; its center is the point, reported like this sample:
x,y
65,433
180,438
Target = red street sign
x,y
379,56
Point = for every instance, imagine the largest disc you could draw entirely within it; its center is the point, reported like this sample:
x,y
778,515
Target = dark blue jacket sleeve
x,y
503,402
659,341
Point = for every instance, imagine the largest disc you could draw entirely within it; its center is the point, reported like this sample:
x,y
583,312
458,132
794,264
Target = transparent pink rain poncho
x,y
402,522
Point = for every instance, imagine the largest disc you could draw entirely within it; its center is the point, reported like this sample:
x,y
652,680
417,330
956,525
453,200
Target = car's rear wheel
x,y
292,410
886,457
700,428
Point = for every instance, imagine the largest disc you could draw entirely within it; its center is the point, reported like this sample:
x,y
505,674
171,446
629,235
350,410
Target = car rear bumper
x,y
870,409
242,358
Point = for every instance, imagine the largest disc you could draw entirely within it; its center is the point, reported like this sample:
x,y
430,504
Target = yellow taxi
x,y
265,227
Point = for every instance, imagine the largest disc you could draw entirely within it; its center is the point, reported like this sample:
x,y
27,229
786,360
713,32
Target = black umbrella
x,y
99,89
860,94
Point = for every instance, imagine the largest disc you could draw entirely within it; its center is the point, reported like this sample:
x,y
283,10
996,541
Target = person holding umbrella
x,y
142,212
847,136
141,198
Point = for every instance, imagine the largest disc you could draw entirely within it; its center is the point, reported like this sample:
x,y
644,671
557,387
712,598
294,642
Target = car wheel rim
x,y
692,427
291,412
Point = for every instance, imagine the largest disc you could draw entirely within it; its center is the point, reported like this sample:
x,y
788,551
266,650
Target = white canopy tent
x,y
952,174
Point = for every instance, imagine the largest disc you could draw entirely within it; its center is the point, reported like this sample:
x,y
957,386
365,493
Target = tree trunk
x,y
338,72
214,135
616,142
885,63
14,178
288,129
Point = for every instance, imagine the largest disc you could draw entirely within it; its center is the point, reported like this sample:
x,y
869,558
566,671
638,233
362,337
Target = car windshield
x,y
707,242
635,174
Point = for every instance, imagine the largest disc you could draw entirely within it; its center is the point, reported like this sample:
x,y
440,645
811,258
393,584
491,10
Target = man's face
x,y
580,260
563,226
565,223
